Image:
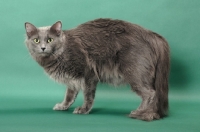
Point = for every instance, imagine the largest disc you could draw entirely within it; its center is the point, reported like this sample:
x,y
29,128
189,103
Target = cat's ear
x,y
30,29
56,28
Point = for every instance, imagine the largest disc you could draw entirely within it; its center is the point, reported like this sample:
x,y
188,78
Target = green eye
x,y
36,40
49,40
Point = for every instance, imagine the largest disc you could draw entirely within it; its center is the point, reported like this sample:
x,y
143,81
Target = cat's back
x,y
107,32
105,36
108,27
104,39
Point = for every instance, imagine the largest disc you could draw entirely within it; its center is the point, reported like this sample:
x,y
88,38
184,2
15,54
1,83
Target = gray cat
x,y
104,50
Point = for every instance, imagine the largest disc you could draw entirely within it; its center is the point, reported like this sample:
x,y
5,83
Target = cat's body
x,y
104,50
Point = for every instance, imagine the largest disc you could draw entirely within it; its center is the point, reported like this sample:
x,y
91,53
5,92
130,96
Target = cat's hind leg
x,y
147,110
69,99
142,83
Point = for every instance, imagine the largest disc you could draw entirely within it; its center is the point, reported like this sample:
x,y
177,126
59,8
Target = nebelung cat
x,y
104,50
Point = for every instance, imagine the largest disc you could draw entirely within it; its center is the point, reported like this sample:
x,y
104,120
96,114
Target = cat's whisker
x,y
25,58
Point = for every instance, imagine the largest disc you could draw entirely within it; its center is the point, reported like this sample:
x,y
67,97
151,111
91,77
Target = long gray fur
x,y
105,50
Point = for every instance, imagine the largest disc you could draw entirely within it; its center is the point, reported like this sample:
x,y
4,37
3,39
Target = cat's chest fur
x,y
60,72
73,83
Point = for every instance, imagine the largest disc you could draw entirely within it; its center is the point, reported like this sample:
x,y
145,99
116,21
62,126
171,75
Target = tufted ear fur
x,y
56,28
30,29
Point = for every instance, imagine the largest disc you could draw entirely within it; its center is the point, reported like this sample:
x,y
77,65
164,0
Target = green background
x,y
27,95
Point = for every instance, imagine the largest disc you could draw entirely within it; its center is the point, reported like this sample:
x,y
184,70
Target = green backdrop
x,y
27,95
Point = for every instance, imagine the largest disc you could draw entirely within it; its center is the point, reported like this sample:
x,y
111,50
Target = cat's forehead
x,y
44,29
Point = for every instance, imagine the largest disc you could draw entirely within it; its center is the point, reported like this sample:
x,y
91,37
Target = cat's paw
x,y
80,110
146,116
60,106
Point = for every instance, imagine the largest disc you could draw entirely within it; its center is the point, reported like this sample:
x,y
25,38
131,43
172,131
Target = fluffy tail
x,y
162,75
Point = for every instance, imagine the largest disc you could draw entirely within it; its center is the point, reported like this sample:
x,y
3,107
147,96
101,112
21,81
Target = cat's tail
x,y
162,74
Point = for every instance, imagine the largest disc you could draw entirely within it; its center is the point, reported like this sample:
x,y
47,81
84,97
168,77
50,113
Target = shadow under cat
x,y
178,75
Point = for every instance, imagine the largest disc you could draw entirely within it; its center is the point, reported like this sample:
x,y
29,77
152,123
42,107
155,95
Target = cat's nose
x,y
43,48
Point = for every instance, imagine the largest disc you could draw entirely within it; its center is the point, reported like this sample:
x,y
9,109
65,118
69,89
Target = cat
x,y
104,50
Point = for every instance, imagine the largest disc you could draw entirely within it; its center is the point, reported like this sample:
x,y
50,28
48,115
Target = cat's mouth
x,y
43,54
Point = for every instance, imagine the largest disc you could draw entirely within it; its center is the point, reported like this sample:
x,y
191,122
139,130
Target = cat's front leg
x,y
89,94
68,100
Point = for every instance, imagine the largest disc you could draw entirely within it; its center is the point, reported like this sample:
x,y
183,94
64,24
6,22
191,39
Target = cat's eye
x,y
49,40
36,40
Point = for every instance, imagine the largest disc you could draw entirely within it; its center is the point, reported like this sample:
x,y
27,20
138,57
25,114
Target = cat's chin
x,y
44,54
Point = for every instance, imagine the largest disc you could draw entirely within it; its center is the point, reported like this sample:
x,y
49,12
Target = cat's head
x,y
44,41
